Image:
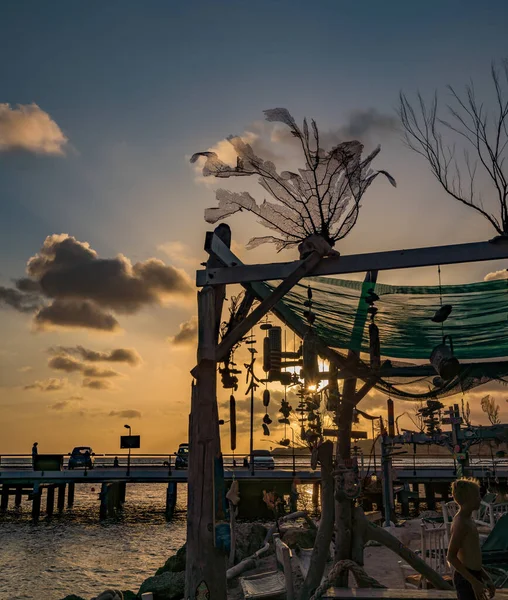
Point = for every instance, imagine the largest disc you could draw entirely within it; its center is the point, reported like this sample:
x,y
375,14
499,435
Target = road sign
x,y
130,441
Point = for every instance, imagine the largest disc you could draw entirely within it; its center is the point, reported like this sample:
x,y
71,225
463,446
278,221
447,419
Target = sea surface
x,y
74,553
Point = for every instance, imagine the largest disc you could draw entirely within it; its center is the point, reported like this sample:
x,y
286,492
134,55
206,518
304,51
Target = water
x,y
74,553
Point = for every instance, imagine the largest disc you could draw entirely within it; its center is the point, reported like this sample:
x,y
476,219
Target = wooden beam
x,y
355,263
303,268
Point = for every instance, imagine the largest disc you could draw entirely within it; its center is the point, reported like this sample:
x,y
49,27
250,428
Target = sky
x,y
101,107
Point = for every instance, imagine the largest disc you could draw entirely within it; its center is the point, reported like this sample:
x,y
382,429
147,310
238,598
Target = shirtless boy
x,y
464,553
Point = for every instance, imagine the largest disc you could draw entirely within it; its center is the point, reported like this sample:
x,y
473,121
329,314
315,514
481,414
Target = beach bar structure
x,y
206,562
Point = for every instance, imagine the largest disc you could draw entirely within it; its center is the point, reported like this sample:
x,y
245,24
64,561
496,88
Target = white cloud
x,y
496,275
27,127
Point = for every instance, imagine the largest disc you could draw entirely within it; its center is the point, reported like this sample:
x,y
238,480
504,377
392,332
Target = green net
x,y
478,323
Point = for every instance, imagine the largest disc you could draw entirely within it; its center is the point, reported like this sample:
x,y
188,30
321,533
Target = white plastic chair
x,y
434,547
273,584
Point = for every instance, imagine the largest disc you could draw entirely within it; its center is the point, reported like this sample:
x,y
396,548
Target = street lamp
x,y
129,455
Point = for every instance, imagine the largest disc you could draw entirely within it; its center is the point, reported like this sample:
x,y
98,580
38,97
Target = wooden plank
x,y
356,263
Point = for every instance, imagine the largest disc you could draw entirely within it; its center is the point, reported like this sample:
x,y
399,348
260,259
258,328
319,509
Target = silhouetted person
x,y
35,452
115,462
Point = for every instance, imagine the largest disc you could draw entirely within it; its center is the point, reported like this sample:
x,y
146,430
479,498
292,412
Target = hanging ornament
x,y
266,419
266,397
232,421
442,313
266,431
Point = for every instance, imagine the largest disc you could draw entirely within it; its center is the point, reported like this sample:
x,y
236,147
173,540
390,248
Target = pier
x,y
425,482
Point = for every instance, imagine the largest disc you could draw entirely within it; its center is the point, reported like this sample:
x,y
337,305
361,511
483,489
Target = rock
x,y
73,597
250,538
110,595
167,586
128,595
175,563
299,537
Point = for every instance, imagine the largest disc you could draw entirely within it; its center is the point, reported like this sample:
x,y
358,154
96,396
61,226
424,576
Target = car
x,y
182,457
81,456
263,459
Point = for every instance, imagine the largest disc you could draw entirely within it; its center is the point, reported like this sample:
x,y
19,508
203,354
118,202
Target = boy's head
x,y
466,493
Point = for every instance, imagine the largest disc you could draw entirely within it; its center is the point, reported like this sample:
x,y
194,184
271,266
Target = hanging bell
x,y
444,362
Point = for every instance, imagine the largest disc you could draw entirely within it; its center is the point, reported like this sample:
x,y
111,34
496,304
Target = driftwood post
x,y
343,505
206,565
325,529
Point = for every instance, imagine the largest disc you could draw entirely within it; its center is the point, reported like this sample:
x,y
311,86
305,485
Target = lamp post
x,y
129,455
293,445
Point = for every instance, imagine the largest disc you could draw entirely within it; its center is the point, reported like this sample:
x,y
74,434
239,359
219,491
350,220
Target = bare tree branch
x,y
485,130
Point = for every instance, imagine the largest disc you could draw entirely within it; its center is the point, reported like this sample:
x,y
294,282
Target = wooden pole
x,y
61,497
205,565
5,498
17,497
343,505
36,502
103,510
50,500
70,495
171,496
325,530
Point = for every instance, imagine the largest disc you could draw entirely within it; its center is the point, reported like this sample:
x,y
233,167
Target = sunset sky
x,y
101,106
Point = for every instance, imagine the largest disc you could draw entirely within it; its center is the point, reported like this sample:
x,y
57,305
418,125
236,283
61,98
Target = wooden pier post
x,y
70,495
315,495
171,497
36,502
61,497
103,510
416,499
18,495
123,492
4,502
430,496
50,500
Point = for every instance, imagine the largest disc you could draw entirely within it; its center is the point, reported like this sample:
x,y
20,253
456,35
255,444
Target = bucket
x,y
443,360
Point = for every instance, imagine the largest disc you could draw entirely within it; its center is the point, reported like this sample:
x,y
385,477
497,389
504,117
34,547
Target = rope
x,y
362,578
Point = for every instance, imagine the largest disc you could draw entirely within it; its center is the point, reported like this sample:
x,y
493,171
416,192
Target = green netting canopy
x,y
478,323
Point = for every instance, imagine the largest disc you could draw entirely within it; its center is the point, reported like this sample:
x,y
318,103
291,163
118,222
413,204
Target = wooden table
x,y
395,594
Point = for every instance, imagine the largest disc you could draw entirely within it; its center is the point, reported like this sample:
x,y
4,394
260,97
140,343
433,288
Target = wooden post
x,y
70,495
123,492
171,497
36,502
50,500
315,496
343,505
18,496
4,502
103,510
61,497
430,496
324,533
205,564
